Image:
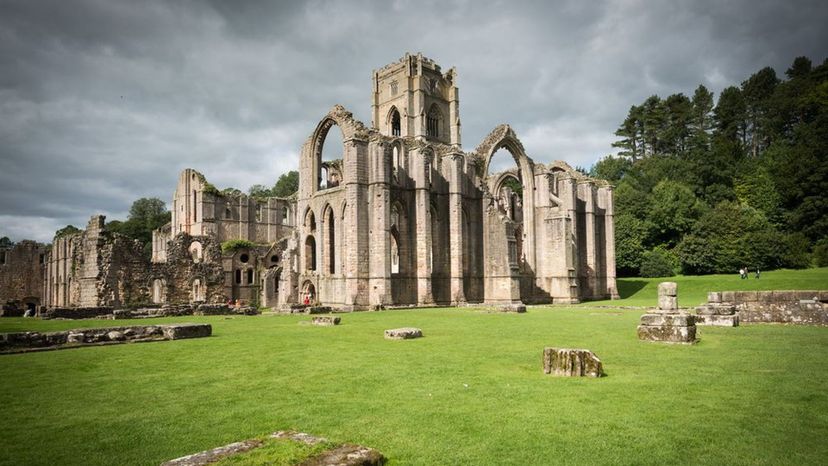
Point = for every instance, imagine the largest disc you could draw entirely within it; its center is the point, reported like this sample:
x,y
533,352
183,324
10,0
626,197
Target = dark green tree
x,y
66,231
287,184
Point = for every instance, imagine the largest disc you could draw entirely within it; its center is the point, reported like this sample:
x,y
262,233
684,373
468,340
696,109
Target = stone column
x,y
379,285
609,244
454,163
422,211
588,194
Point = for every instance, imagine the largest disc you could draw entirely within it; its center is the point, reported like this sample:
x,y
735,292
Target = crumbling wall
x,y
21,277
193,270
792,307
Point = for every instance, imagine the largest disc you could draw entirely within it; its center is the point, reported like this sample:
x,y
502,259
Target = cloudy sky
x,y
103,102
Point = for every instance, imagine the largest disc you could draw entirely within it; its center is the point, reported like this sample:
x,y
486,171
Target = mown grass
x,y
692,289
470,392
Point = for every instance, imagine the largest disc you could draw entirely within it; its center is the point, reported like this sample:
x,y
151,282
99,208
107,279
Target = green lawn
x,y
470,392
692,289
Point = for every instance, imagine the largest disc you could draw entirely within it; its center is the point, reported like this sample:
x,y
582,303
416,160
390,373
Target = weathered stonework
x,y
666,323
21,278
405,333
342,455
326,321
716,312
789,307
31,341
571,363
404,217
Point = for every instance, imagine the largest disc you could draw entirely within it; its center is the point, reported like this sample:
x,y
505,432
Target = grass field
x,y
692,289
470,392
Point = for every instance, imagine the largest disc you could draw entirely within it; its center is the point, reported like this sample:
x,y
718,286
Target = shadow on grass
x,y
628,287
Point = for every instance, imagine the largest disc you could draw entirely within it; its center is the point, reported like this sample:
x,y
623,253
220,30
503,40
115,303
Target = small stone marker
x,y
716,312
571,362
325,321
666,323
405,333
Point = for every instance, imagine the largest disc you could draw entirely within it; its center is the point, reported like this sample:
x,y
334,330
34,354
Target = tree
x,y
630,132
145,215
259,191
630,234
610,168
729,115
66,231
674,210
287,184
757,91
701,121
5,242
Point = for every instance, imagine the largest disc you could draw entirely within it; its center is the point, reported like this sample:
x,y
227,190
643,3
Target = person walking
x,y
757,273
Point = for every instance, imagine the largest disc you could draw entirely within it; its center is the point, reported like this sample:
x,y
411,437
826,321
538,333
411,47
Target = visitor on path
x,y
742,273
757,273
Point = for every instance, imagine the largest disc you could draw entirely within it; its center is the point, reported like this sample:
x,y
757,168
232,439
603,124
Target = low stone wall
x,y
792,307
75,312
35,341
147,312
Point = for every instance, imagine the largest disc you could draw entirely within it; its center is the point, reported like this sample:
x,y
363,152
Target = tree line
x,y
710,186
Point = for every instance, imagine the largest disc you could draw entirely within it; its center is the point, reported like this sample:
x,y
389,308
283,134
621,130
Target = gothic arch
x,y
393,122
349,128
504,137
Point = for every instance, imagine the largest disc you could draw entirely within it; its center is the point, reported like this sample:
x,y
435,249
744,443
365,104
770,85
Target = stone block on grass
x,y
569,362
405,333
325,321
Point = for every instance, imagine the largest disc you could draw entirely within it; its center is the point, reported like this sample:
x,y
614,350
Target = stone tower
x,y
413,98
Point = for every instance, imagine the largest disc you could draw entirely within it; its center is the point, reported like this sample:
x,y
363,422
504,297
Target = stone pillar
x,y
356,161
379,285
588,195
422,212
454,163
609,243
666,323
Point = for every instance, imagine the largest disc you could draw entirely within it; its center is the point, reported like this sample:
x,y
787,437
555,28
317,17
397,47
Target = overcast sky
x,y
104,102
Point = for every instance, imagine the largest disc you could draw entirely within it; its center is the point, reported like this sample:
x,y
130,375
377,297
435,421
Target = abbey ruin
x,y
404,217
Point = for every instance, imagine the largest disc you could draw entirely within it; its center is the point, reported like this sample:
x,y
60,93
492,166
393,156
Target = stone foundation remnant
x,y
517,308
666,323
35,341
809,307
318,310
342,455
571,362
325,321
405,333
716,312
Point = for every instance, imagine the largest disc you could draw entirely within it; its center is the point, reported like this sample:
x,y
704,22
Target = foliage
x,y
761,144
234,245
5,242
287,184
630,234
210,188
66,231
145,215
514,185
658,262
821,253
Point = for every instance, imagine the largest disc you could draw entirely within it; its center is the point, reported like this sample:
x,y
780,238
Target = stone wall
x,y
795,307
28,341
21,277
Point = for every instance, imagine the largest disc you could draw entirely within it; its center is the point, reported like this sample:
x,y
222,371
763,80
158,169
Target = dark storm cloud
x,y
104,102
